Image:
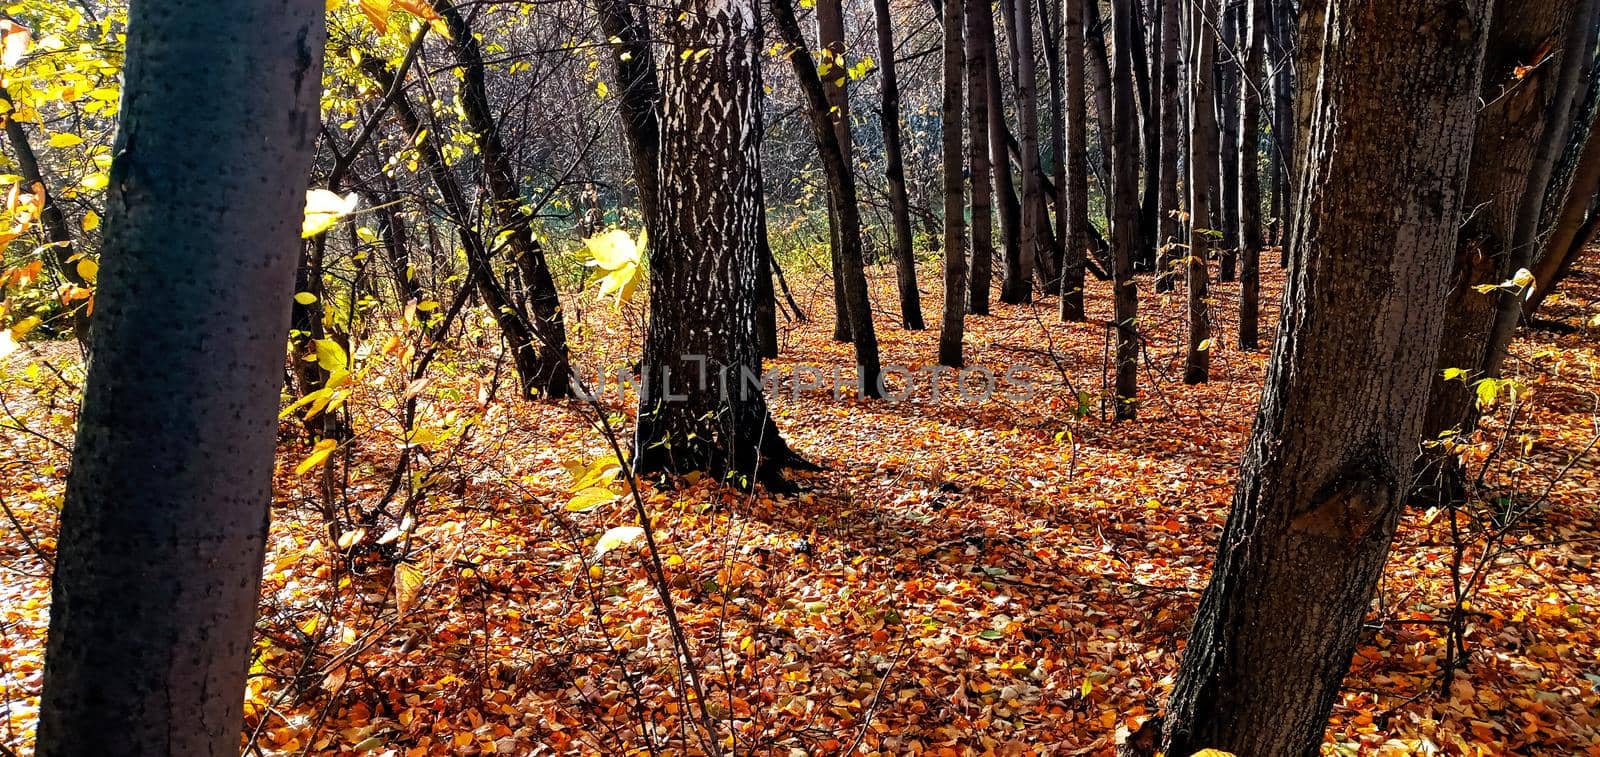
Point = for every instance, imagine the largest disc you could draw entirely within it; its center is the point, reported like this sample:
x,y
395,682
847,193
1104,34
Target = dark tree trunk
x,y
977,74
550,374
633,64
1566,239
1147,73
1098,61
1016,286
851,269
1075,193
1203,166
766,295
1125,215
1050,24
703,259
1228,68
1171,230
905,260
57,234
1281,47
1330,458
1251,90
1508,130
830,41
955,244
530,358
153,602
1005,191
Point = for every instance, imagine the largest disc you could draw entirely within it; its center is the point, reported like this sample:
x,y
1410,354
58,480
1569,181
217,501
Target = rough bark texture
x,y
153,601
1565,238
1226,213
545,372
905,260
955,243
1508,130
1323,474
1125,216
1168,238
1147,74
1203,166
850,269
703,262
1005,190
1251,90
1076,192
982,261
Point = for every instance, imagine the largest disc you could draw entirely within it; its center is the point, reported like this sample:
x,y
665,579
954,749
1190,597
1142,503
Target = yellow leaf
x,y
590,498
330,356
407,585
91,221
65,140
419,8
324,209
616,537
319,454
601,90
304,298
88,269
378,13
1212,753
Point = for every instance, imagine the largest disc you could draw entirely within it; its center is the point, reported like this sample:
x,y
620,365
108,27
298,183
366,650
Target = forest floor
x,y
997,577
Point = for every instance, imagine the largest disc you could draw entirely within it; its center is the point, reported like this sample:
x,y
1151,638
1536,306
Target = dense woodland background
x,y
1300,290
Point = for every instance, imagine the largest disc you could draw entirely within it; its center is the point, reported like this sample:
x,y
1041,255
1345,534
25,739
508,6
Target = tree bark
x,y
1203,166
1016,286
57,234
633,65
1147,74
703,258
977,75
1075,192
1508,130
1330,458
1005,190
1171,147
826,126
1251,90
955,243
1566,240
153,602
1125,215
905,260
1229,69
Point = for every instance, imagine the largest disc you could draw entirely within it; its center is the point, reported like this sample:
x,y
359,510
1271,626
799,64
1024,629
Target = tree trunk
x,y
57,234
153,602
977,75
1321,483
1227,98
1252,88
1016,287
1005,191
1203,166
1147,74
1285,86
1508,130
1050,24
703,258
826,127
1125,214
634,66
1075,193
1098,61
1171,230
832,70
905,260
955,243
551,376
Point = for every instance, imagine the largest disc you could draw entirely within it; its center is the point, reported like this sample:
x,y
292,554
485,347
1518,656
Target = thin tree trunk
x,y
57,234
1075,191
1005,191
1098,61
832,69
1565,240
1330,458
1251,91
1147,73
1125,215
826,127
153,601
977,74
1171,229
638,94
1202,175
955,243
1016,287
551,375
1228,68
1051,23
905,261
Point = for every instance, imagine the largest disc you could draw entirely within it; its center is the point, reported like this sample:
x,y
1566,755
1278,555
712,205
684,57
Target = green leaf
x,y
989,634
